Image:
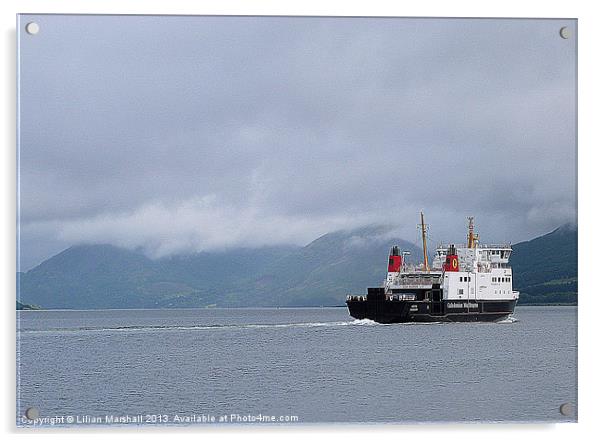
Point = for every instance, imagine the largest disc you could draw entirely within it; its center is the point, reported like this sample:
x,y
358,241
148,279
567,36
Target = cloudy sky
x,y
181,134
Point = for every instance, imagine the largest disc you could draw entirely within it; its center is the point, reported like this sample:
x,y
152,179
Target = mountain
x,y
323,272
545,268
105,276
319,274
88,276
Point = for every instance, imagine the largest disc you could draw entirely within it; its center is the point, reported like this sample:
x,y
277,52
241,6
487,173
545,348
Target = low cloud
x,y
198,225
181,134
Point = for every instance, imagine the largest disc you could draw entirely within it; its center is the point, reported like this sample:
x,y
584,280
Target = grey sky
x,y
177,134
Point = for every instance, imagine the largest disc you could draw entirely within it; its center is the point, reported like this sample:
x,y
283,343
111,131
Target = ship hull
x,y
381,308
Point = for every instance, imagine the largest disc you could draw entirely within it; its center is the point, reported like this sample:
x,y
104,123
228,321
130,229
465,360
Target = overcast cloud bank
x,y
180,134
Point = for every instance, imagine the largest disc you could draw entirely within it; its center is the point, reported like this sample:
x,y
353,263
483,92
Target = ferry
x,y
466,282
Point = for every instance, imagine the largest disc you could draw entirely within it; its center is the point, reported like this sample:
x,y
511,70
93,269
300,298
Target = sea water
x,y
297,365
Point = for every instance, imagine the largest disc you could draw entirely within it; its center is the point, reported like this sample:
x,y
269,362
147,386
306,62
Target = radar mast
x,y
425,255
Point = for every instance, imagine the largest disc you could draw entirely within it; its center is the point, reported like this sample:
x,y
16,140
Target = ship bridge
x,y
485,256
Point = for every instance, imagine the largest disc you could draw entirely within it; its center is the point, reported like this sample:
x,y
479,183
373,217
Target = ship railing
x,y
390,297
505,246
401,297
405,281
411,286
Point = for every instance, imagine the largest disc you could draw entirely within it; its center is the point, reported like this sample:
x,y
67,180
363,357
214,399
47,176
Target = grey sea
x,y
315,365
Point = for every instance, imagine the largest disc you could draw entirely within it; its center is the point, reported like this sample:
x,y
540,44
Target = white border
x,y
590,144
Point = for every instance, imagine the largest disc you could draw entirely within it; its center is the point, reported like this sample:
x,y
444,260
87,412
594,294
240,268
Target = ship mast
x,y
423,229
472,237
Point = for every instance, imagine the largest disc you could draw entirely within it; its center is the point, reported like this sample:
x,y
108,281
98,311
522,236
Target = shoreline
x,y
243,308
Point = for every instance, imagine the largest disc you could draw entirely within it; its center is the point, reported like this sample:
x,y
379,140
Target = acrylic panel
x,y
270,220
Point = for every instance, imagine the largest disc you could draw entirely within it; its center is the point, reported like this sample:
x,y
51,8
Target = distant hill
x,y
545,268
319,274
323,272
27,306
104,276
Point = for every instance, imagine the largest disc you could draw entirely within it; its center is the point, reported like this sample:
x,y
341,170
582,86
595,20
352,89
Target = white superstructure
x,y
464,272
483,272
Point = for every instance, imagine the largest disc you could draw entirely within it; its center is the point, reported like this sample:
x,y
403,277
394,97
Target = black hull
x,y
381,308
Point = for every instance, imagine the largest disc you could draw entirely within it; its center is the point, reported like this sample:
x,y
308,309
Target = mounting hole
x,y
566,409
32,28
32,413
565,32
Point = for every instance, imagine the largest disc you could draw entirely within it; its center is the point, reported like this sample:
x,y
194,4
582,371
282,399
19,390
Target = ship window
x,y
460,291
494,279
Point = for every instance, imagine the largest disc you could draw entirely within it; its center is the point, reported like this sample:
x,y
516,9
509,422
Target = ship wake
x,y
215,327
